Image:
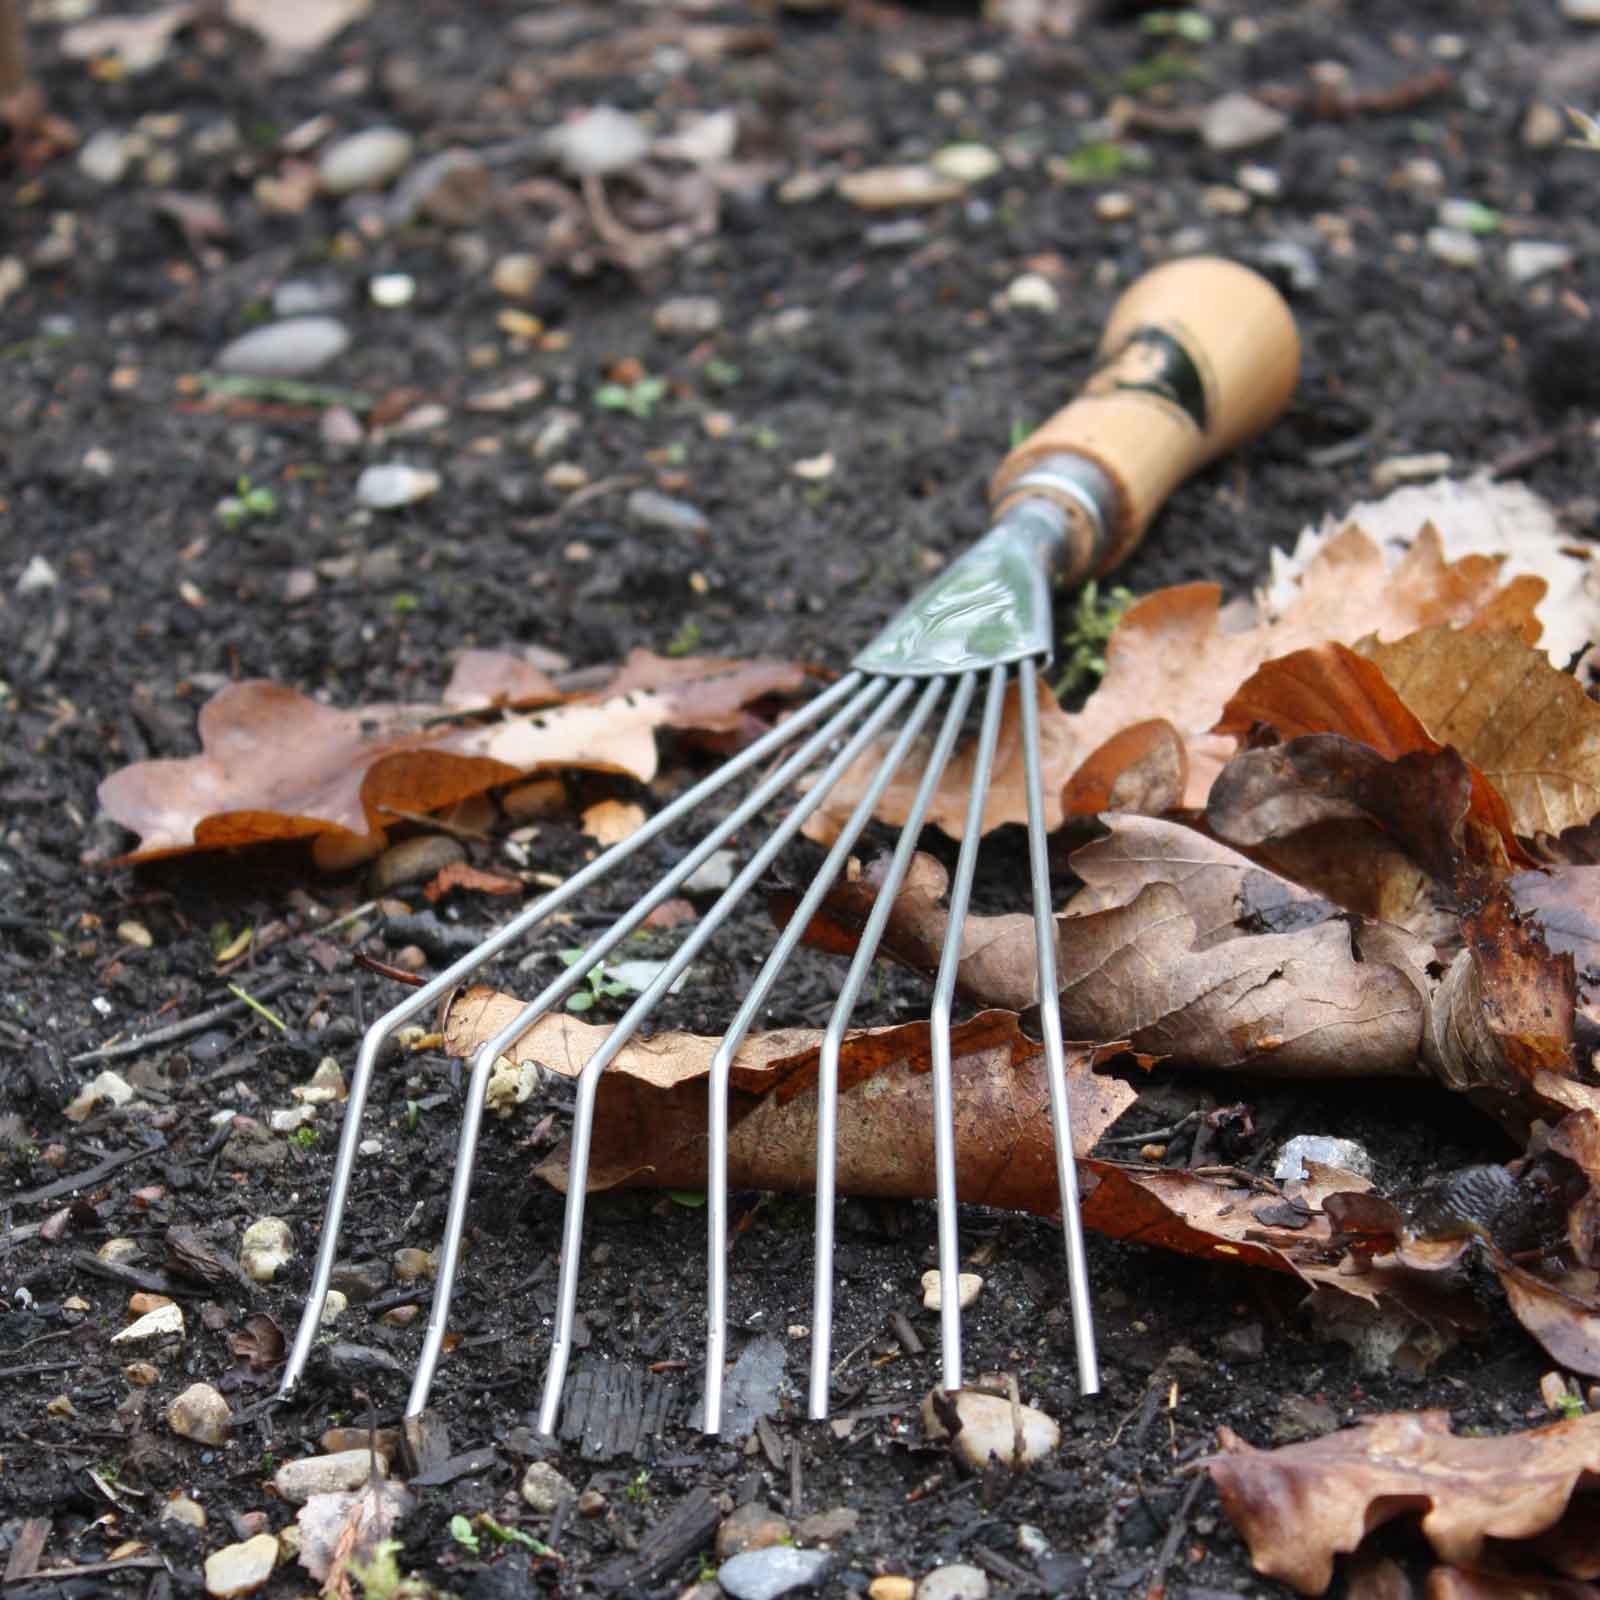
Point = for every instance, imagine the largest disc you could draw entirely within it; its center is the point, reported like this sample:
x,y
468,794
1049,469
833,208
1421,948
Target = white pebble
x,y
688,316
884,188
107,1086
967,1286
161,1323
1587,11
391,290
181,1509
200,1413
1237,121
288,349
1032,291
1345,1154
104,157
1263,182
957,1581
365,160
1454,248
297,1481
966,163
391,484
240,1569
37,576
544,1488
267,1245
713,875
291,1118
988,1428
1113,206
1527,259
602,140
1410,469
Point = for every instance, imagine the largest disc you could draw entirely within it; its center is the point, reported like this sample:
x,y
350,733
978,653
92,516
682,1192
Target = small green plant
x,y
1167,67
1193,27
1082,656
721,374
464,1534
1101,161
765,439
250,502
404,603
638,1490
638,399
501,1534
1020,429
686,639
600,987
413,1116
304,1138
1571,1406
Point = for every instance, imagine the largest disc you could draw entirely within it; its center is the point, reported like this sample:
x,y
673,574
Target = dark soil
x,y
912,375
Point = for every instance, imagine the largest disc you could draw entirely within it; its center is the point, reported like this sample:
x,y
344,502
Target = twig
x,y
190,1025
1332,104
384,970
1169,1546
580,497
89,1568
94,1174
259,1009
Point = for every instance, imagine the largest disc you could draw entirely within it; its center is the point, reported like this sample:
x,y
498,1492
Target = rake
x,y
1198,355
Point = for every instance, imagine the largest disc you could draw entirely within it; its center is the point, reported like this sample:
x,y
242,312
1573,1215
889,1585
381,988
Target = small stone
x,y
240,1569
987,1430
666,515
410,1264
144,1301
1454,248
38,577
182,1510
141,1374
688,316
544,1488
1113,206
1585,11
1294,260
1543,126
390,485
414,861
966,163
161,1323
1263,182
104,157
891,1586
751,1527
823,1527
1527,259
332,1441
1223,200
13,275
105,1087
1238,121
291,1118
1468,216
814,468
289,349
366,160
1345,1154
601,140
1031,1541
885,188
333,1307
136,934
713,875
265,1246
515,277
401,1316
200,1413
591,1503
297,1481
777,1570
1242,1344
119,1251
361,1280
392,290
1409,469
1032,291
1302,1418
957,1581
511,1084
309,297
967,1286
324,1085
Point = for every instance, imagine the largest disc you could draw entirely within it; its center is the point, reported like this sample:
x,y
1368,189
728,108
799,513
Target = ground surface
x,y
880,340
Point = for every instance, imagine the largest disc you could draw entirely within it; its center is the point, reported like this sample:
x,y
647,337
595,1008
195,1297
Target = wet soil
x,y
909,369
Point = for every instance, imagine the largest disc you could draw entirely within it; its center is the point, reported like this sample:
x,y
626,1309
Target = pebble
x,y
106,1086
308,297
601,140
1345,1154
266,1245
1294,260
289,349
1239,121
1587,11
414,860
883,188
544,1488
967,1286
200,1413
891,1586
141,1374
515,277
713,875
333,1307
1244,1343
1527,259
291,1118
392,290
751,1527
966,163
181,1509
119,1251
1409,469
324,1085
1263,182
366,160
1032,291
958,1581
1300,1417
987,1429
688,316
37,577
1223,200
391,484
822,1527
591,1503
1113,206
241,1569
777,1570
104,157
1468,216
1454,248
411,1264
901,234
13,275
1543,126
161,1323
297,1481
661,512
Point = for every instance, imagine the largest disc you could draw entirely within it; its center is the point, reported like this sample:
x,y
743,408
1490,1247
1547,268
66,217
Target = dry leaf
x,y
609,822
1301,1505
463,875
1529,728
342,1531
279,765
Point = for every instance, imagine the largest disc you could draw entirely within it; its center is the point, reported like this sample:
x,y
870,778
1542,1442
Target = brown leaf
x,y
278,765
650,1123
1563,1316
1143,769
463,875
259,1343
1300,1505
1454,1583
1530,728
343,1530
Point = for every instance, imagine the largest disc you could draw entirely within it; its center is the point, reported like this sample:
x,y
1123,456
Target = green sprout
x,y
1167,67
1571,1406
638,1489
250,502
721,374
304,1138
404,603
464,1534
413,1116
600,987
638,399
686,639
1100,161
1193,27
1082,657
501,1534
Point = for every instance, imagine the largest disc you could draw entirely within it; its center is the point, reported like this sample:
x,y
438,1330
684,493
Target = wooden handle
x,y
1199,355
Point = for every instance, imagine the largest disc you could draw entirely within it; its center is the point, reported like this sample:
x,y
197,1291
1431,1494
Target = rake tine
x,y
1054,1051
944,1143
722,1062
589,1080
556,991
437,988
832,1040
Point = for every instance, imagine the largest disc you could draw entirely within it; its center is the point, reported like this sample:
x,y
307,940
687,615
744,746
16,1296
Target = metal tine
x,y
433,991
944,1121
589,1080
722,1062
557,990
1054,1051
833,1038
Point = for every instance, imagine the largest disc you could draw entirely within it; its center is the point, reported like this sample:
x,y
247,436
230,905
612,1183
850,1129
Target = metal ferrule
x,y
991,606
